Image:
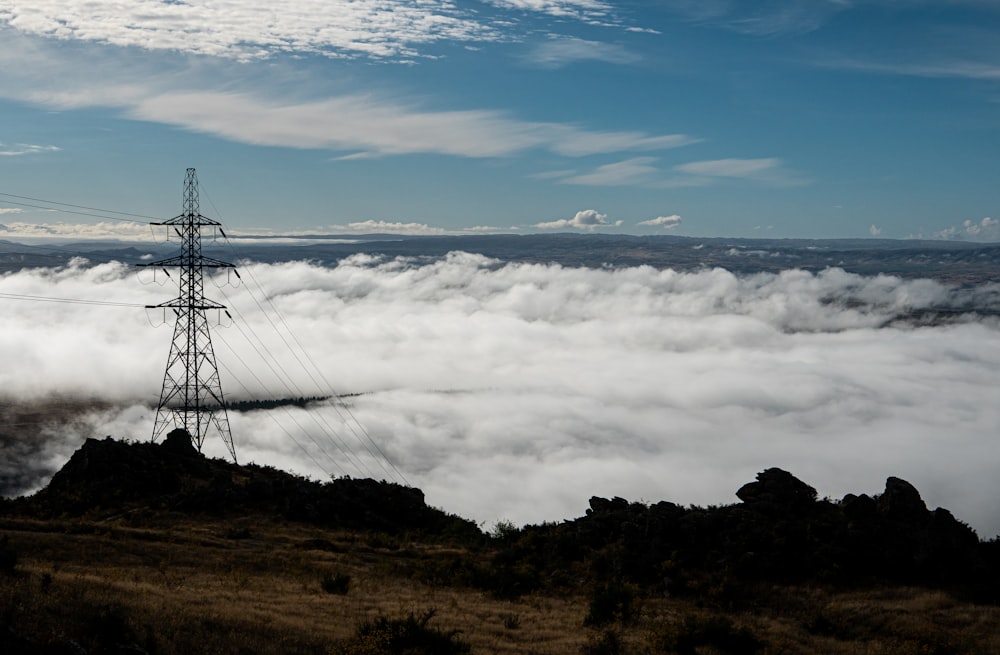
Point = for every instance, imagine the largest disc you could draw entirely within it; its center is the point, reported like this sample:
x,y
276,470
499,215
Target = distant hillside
x,y
951,261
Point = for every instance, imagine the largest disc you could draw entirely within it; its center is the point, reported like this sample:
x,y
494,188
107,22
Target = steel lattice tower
x,y
192,393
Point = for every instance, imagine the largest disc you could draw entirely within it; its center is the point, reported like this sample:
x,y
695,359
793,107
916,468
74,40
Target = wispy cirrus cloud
x,y
561,51
762,17
249,110
375,125
941,68
766,170
645,172
634,171
18,149
729,167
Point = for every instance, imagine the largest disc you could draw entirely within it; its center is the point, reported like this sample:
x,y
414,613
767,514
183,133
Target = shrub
x,y
409,636
336,583
504,531
610,602
511,621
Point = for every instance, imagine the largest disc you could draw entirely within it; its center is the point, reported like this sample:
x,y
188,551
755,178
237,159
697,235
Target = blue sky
x,y
814,118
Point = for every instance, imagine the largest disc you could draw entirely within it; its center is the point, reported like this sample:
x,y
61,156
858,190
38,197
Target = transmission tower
x,y
192,393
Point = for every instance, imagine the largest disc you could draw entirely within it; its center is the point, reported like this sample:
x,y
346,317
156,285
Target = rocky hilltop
x,y
107,478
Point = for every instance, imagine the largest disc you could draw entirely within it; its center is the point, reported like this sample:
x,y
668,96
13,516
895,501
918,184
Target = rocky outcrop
x,y
780,532
777,489
106,477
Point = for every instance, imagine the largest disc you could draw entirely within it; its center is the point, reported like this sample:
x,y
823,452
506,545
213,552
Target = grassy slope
x,y
173,584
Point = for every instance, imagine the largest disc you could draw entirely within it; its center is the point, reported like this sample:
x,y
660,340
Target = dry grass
x,y
184,586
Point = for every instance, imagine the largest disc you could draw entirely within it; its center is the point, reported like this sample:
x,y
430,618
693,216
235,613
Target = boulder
x,y
179,442
901,502
778,487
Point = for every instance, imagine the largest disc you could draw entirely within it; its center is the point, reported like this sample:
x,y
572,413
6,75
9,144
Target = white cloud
x,y
369,124
729,167
637,382
763,17
591,10
768,170
643,171
252,29
635,171
577,143
955,67
560,51
19,149
588,219
875,230
10,210
987,229
667,222
101,230
388,227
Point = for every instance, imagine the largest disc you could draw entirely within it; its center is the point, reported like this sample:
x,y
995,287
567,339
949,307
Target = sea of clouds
x,y
517,391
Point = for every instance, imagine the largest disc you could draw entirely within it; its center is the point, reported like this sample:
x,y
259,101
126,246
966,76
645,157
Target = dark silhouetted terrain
x,y
153,548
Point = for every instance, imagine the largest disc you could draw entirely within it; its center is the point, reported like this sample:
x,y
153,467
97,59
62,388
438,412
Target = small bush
x,y
511,621
504,531
609,603
336,583
409,636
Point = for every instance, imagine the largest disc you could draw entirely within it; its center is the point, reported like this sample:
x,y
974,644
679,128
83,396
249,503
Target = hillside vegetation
x,y
152,548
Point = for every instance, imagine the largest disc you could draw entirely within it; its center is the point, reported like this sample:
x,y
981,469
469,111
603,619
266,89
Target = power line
x,y
350,421
271,416
75,301
292,388
67,204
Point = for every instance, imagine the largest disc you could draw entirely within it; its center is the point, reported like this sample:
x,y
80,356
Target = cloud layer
x,y
635,382
268,108
252,29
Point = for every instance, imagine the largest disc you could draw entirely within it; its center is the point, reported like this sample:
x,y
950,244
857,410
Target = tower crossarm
x,y
182,260
184,219
181,303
